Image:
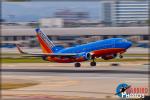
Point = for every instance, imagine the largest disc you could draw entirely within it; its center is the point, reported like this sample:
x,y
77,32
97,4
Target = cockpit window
x,y
123,40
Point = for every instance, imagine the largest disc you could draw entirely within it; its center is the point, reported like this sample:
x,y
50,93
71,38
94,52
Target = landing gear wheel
x,y
77,64
121,56
93,63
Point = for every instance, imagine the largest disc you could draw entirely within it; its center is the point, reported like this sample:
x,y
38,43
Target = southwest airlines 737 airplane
x,y
106,49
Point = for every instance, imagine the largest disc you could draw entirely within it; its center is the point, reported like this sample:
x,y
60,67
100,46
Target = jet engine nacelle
x,y
85,55
107,57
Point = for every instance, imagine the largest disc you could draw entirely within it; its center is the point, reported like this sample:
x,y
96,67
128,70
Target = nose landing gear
x,y
120,56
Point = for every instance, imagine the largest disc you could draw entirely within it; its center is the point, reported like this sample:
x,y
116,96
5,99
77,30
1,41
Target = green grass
x,y
39,60
121,60
10,53
23,60
10,85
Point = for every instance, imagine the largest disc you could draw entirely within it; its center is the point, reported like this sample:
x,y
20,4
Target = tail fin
x,y
44,41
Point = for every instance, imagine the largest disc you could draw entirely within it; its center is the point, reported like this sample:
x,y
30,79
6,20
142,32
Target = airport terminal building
x,y
126,12
72,36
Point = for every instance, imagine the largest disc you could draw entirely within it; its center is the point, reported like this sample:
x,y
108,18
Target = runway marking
x,y
60,83
112,77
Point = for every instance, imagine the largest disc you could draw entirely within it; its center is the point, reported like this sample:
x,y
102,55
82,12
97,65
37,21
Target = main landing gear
x,y
93,63
77,64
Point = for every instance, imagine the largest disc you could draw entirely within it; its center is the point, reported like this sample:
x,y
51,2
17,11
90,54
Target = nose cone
x,y
128,44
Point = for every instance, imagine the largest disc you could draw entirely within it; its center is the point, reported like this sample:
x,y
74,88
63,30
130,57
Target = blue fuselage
x,y
99,45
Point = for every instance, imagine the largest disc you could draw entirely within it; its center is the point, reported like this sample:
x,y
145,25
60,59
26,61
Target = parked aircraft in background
x,y
106,49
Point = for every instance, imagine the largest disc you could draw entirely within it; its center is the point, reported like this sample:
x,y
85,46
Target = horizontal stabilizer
x,y
18,47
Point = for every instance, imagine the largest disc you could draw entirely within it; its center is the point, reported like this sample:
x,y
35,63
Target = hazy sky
x,y
32,11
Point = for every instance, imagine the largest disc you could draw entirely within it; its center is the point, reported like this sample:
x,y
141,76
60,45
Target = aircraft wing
x,y
45,54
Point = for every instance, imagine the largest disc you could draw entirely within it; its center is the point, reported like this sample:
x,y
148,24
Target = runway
x,y
77,71
92,83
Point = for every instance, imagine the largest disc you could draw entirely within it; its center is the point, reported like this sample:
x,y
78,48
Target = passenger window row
x,y
91,48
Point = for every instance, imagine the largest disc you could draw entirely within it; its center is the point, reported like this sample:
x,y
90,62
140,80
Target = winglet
x,y
19,49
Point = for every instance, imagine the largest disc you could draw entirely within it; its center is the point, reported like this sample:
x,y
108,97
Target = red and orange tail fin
x,y
45,43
